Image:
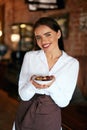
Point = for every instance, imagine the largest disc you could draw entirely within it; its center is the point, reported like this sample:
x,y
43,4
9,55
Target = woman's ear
x,y
59,34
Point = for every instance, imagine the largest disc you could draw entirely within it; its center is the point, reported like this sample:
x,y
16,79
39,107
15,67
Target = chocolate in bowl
x,y
44,78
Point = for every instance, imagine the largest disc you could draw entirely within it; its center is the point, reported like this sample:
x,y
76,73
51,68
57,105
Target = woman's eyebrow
x,y
43,34
46,33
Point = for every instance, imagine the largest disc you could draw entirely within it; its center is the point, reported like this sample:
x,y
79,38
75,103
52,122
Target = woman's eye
x,y
48,34
37,38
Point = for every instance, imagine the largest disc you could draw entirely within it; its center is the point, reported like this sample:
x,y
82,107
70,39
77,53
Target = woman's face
x,y
46,38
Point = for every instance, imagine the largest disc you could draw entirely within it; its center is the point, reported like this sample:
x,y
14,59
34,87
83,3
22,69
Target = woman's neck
x,y
52,58
54,54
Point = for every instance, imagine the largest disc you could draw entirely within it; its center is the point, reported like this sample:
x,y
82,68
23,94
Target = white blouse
x,y
65,70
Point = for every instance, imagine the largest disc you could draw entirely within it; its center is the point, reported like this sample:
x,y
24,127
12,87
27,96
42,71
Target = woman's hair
x,y
51,23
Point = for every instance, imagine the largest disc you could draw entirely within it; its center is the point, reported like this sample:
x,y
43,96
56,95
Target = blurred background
x,y
16,38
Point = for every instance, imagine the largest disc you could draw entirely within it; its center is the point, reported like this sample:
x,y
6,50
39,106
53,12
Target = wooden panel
x,y
2,23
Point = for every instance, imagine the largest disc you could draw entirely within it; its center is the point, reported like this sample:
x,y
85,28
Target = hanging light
x,y
0,33
15,37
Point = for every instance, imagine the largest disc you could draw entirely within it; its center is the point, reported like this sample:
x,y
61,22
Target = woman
x,y
41,103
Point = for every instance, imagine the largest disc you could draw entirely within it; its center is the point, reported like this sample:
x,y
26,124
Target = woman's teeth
x,y
45,45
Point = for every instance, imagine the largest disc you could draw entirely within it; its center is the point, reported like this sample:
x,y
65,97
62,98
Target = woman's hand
x,y
41,86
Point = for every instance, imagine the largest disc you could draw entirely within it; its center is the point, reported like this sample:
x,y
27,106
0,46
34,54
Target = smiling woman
x,y
41,103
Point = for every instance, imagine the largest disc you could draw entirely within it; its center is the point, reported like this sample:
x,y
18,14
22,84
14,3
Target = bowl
x,y
43,79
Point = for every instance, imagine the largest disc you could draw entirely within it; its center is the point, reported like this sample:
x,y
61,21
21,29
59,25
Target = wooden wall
x,y
17,11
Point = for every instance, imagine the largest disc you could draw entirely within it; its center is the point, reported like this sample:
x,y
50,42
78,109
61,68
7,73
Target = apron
x,y
39,113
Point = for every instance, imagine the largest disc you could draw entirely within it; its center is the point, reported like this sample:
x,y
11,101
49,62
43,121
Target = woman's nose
x,y
43,40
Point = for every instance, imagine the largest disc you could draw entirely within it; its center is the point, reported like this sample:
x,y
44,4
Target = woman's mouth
x,y
45,45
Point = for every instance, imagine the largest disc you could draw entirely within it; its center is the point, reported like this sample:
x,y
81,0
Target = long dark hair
x,y
51,23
